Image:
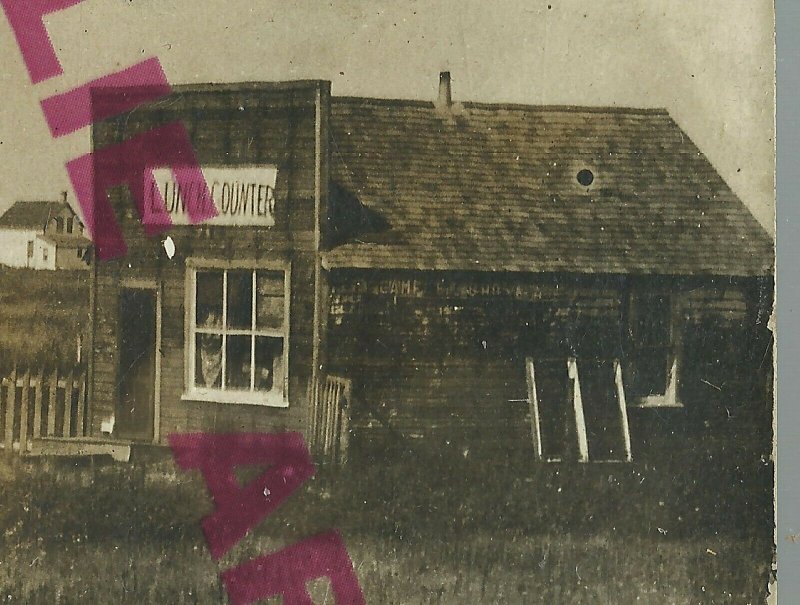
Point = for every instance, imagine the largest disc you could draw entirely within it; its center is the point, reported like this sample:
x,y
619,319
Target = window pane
x,y
269,303
209,299
269,363
240,299
237,362
208,361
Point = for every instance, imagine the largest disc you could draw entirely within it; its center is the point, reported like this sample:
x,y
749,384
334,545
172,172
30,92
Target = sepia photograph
x,y
388,303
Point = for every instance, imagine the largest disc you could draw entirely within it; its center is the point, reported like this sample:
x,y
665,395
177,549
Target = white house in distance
x,y
43,235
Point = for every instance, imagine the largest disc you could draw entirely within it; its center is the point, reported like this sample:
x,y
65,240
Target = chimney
x,y
445,100
64,196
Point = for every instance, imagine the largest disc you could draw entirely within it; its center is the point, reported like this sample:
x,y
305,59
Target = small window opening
x,y
585,177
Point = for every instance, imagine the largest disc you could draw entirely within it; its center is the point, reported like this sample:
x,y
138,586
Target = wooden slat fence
x,y
329,424
43,402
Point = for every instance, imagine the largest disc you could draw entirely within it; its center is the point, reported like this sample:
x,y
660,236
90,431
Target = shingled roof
x,y
494,187
30,215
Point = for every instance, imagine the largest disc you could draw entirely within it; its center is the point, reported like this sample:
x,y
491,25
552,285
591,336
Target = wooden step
x,y
81,446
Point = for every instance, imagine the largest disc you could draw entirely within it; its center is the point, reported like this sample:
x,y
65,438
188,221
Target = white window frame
x,y
273,398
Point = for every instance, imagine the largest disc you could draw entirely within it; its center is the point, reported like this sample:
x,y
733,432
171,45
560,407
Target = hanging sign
x,y
243,196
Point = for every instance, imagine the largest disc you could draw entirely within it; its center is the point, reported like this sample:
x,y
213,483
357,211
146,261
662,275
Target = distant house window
x,y
69,225
80,252
585,177
44,254
30,249
238,338
59,224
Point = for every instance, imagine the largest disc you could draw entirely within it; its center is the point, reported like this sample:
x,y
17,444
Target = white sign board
x,y
243,196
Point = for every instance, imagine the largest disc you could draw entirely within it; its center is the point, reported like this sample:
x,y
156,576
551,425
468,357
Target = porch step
x,y
81,446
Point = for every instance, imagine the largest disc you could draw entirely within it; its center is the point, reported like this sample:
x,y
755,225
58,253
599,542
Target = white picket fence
x,y
37,403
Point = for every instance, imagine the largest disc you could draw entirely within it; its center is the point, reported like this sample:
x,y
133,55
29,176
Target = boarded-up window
x,y
578,410
238,335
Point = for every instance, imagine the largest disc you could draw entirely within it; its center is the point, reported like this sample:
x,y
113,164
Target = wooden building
x,y
43,235
424,251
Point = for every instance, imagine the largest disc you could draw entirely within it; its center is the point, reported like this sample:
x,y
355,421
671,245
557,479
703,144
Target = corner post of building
x,y
89,420
321,235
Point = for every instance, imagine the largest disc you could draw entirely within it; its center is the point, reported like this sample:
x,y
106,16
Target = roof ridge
x,y
503,106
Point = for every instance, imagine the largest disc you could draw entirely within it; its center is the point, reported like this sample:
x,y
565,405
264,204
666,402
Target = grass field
x,y
690,529
692,526
41,315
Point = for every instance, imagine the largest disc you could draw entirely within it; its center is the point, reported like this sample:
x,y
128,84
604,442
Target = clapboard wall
x,y
440,355
276,124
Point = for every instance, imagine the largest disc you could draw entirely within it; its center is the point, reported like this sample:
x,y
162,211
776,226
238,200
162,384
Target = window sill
x,y
656,401
271,399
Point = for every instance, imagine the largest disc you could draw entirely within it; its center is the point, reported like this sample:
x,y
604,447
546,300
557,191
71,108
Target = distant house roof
x,y
65,240
495,187
30,215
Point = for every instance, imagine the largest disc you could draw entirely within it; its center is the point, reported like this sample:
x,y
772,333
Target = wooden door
x,y
137,362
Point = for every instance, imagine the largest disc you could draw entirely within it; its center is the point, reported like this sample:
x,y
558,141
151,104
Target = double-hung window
x,y
237,328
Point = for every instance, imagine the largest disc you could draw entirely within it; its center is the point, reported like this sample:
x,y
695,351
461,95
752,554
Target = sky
x,y
710,63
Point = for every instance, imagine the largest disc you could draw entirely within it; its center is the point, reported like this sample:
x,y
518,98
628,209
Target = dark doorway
x,y
137,357
605,429
557,418
651,340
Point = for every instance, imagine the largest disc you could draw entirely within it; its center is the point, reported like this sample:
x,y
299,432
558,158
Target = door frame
x,y
153,286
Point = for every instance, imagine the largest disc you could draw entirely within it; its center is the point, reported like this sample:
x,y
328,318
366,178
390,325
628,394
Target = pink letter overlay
x,y
73,110
132,163
286,572
239,509
25,17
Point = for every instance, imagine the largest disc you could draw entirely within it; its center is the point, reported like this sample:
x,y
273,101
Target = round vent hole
x,y
585,177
